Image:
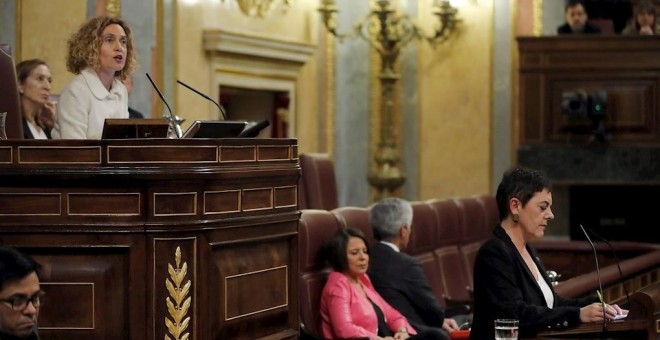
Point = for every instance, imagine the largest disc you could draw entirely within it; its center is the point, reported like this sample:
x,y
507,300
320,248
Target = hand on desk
x,y
594,312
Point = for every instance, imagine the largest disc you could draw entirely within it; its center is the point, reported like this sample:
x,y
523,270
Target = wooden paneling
x,y
627,68
149,238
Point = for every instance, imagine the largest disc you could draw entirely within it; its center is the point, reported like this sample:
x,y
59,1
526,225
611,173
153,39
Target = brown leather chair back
x,y
316,228
453,277
355,217
9,101
423,241
318,181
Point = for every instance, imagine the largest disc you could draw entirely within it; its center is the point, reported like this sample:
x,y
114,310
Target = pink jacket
x,y
345,313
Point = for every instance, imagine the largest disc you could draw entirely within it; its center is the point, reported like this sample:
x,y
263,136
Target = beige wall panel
x,y
455,107
193,65
308,125
45,29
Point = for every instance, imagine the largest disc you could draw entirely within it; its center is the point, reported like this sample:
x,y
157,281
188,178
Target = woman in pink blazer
x,y
350,306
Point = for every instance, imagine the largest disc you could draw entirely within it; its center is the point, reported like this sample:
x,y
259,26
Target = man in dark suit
x,y
577,20
399,277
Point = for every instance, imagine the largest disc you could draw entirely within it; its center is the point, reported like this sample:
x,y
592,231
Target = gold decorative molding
x,y
538,18
331,94
258,8
113,8
178,309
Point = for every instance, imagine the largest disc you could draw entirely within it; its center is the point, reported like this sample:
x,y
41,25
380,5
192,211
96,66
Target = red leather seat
x,y
9,101
355,217
453,276
318,184
316,228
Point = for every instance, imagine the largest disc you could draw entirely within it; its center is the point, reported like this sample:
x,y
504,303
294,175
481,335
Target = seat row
x,y
446,235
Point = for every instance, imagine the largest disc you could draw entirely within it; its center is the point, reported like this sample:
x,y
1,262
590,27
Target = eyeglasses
x,y
18,303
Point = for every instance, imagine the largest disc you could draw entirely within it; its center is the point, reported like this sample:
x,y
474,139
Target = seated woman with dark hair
x,y
643,21
350,306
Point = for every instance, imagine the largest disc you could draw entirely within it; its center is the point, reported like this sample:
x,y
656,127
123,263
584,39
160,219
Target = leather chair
x,y
316,228
474,231
9,101
492,213
355,217
318,181
453,277
423,241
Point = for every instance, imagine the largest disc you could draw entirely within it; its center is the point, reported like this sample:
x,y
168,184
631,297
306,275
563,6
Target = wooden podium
x,y
643,321
150,238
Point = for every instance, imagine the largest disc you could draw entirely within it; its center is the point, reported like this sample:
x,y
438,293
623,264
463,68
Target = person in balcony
x,y
510,281
643,21
577,20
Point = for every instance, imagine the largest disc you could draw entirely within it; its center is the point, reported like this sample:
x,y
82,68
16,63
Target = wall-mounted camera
x,y
591,108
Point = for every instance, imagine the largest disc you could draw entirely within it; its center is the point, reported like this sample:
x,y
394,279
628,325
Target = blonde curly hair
x,y
85,46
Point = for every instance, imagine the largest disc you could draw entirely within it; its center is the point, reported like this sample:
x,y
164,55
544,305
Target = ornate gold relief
x,y
178,309
258,8
113,8
538,18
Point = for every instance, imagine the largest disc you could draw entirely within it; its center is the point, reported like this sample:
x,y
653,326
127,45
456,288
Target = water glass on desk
x,y
506,329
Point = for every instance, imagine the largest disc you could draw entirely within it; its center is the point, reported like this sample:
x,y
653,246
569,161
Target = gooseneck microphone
x,y
600,284
174,124
625,290
222,109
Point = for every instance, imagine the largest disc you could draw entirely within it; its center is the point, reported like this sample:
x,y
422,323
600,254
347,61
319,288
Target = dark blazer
x,y
400,280
589,28
27,134
504,287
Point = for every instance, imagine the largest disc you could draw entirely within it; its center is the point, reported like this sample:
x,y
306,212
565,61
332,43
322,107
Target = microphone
x,y
253,129
222,109
600,284
173,122
625,290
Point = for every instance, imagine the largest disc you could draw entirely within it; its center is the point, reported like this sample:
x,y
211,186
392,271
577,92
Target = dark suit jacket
x,y
589,28
504,287
400,280
27,134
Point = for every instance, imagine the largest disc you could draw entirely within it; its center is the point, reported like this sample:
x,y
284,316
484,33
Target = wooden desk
x,y
144,238
643,321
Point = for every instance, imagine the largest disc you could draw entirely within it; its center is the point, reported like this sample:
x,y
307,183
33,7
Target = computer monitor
x,y
117,128
215,129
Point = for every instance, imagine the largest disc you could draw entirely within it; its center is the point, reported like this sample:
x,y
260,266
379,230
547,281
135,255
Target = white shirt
x,y
547,292
85,104
37,131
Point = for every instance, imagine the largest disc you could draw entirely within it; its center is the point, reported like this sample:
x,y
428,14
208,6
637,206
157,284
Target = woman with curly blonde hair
x,y
102,54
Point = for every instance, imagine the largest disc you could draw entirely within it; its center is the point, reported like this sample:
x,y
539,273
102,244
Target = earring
x,y
516,218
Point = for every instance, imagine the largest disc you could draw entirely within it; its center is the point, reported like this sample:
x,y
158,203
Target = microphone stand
x,y
600,284
175,125
625,290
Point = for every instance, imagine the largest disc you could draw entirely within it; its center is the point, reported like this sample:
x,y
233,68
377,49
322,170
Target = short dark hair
x,y
335,249
15,265
573,3
521,183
